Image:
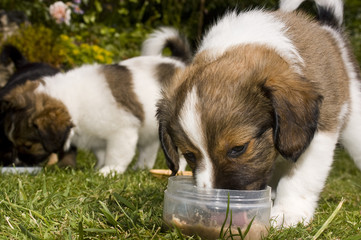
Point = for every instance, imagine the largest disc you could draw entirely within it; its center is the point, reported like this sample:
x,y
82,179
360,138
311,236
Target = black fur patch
x,y
180,49
327,17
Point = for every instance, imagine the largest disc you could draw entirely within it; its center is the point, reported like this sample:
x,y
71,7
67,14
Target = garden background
x,y
81,204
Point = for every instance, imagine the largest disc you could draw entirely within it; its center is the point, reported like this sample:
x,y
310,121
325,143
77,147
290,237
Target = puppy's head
x,y
230,117
35,123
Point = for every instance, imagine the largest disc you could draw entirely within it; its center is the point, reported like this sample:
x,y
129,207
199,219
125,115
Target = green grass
x,y
81,204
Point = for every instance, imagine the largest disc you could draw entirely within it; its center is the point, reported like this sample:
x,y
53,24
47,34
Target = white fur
x,y
297,194
182,164
190,121
154,44
290,5
253,27
101,124
335,5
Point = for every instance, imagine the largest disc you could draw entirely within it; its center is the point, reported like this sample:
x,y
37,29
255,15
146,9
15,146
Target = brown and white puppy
x,y
108,109
265,84
11,152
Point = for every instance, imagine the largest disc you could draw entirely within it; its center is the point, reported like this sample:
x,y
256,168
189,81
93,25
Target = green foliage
x,y
76,55
121,26
353,24
37,43
36,11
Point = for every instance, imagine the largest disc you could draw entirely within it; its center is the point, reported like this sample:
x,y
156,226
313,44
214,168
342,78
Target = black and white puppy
x,y
265,84
24,71
109,109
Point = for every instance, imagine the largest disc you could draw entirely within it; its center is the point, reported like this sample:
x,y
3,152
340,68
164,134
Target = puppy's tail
x,y
10,52
329,12
167,37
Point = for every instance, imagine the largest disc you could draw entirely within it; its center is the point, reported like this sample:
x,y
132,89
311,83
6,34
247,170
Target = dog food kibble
x,y
213,232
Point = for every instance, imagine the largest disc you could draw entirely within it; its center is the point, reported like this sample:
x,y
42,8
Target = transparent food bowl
x,y
203,211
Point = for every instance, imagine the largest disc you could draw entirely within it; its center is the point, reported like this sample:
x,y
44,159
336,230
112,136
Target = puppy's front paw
x,y
110,169
286,216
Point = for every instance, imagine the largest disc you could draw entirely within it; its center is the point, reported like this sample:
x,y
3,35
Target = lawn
x,y
81,204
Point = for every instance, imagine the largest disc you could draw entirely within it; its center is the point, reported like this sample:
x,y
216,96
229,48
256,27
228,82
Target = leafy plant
x,y
40,44
37,43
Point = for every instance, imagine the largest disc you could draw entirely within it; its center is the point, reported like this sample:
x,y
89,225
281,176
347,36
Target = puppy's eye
x,y
237,151
190,157
27,146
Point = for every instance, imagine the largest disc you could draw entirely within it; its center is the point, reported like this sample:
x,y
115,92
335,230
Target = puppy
x,y
109,109
266,84
24,71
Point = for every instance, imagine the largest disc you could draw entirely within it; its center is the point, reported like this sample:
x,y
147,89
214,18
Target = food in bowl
x,y
203,212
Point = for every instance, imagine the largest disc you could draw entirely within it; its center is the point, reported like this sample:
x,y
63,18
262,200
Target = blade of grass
x,y
45,190
124,201
98,230
26,209
130,219
230,226
47,201
22,194
155,233
109,216
221,235
179,232
8,221
243,235
81,229
28,233
70,234
329,220
356,237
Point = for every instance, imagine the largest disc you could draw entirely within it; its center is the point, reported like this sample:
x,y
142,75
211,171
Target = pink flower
x,y
60,12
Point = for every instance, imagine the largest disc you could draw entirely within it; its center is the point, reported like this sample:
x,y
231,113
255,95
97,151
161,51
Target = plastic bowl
x,y
203,212
18,170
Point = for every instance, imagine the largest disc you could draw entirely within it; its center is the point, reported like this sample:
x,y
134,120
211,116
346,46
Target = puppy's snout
x,y
239,182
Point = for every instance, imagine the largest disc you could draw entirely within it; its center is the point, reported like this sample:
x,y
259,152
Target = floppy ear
x,y
164,111
169,149
296,105
19,97
13,102
53,126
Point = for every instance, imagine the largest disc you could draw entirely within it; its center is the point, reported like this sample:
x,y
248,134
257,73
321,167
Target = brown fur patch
x,y
119,79
37,124
165,72
323,65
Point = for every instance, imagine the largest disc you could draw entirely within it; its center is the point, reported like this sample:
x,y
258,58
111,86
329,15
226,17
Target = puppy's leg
x,y
351,134
100,155
299,190
147,155
68,158
120,150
